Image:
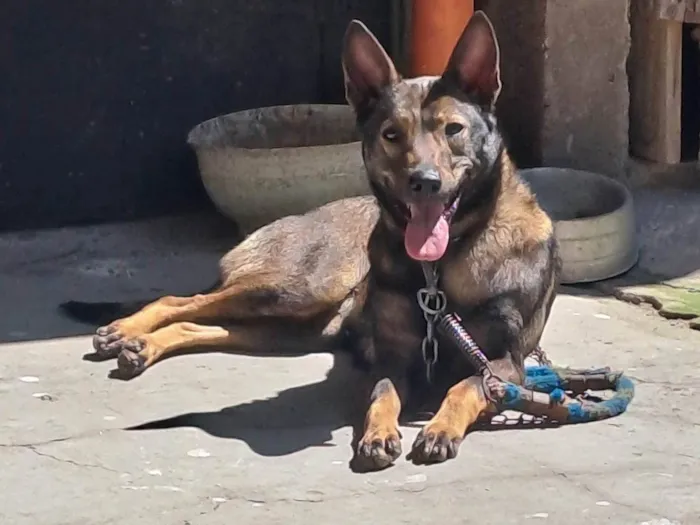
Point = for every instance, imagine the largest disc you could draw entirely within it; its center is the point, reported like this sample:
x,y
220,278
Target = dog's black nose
x,y
425,181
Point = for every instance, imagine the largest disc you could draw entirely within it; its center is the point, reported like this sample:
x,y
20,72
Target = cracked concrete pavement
x,y
240,439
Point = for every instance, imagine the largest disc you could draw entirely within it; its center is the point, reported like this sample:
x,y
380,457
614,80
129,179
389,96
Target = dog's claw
x,y
107,342
434,447
106,330
379,449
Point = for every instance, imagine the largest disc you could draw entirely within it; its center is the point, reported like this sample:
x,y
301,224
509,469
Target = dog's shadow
x,y
293,420
305,416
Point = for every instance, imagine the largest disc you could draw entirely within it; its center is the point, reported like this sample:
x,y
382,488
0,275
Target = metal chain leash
x,y
432,303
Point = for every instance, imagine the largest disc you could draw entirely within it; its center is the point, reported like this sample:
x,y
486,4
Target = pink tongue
x,y
427,233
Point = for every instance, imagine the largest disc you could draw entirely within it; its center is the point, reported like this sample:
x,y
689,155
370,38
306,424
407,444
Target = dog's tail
x,y
100,313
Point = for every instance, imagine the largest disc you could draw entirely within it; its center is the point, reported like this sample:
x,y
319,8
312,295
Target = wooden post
x,y
435,27
655,84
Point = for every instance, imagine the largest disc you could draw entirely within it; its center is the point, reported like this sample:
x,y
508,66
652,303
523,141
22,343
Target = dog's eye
x,y
390,134
453,128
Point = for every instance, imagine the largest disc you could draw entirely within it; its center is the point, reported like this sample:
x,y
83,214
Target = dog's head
x,y
429,144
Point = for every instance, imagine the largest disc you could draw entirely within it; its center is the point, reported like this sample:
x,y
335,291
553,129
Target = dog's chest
x,y
397,323
465,282
399,328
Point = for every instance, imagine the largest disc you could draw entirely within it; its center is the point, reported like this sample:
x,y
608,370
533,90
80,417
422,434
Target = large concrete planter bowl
x,y
593,220
262,164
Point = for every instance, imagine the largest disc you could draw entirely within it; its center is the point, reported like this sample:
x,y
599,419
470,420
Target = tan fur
x,y
518,224
382,426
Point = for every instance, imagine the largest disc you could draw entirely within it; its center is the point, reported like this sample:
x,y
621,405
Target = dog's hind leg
x,y
297,268
138,353
248,298
109,339
141,352
464,403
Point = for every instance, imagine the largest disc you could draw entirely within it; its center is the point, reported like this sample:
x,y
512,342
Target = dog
x,y
446,196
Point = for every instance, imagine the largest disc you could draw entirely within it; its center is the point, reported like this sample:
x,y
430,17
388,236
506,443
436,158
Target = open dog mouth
x,y
427,232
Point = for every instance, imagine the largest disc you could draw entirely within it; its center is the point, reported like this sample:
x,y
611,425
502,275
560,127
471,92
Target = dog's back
x,y
320,247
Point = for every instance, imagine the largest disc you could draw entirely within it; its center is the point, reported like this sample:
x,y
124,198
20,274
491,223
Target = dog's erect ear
x,y
474,64
366,66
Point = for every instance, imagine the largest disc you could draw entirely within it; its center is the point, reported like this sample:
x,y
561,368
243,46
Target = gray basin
x,y
261,164
593,220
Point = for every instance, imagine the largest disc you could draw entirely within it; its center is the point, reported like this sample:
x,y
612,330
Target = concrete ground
x,y
667,274
260,440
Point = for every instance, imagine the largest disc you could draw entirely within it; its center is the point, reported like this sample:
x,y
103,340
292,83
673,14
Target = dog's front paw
x,y
436,442
379,448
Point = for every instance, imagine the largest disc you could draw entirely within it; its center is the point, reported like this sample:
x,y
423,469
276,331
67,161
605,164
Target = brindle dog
x,y
445,193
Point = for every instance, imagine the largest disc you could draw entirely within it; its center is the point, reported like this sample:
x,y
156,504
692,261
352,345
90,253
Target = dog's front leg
x,y
380,444
464,403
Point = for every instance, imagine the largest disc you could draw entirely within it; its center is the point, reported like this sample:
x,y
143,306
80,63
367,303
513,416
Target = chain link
x,y
432,303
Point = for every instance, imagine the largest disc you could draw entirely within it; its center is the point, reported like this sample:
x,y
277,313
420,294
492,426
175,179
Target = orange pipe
x,y
435,27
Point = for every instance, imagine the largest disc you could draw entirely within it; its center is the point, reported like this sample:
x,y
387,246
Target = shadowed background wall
x,y
97,96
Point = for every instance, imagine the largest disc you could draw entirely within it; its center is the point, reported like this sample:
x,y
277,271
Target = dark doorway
x,y
97,98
